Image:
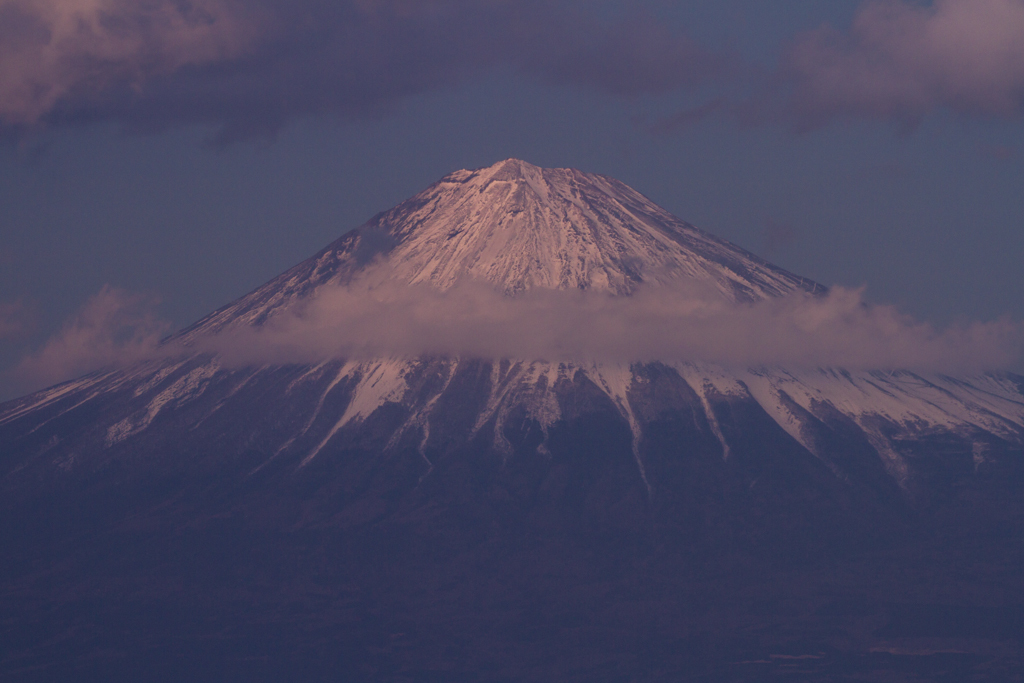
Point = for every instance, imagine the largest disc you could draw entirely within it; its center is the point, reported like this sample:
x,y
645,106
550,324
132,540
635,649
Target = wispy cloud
x,y
902,60
899,61
249,66
114,328
62,53
681,323
15,320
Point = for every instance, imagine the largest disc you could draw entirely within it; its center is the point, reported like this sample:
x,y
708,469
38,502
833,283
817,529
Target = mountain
x,y
443,517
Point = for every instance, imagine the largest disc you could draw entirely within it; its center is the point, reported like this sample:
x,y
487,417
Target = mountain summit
x,y
442,517
519,227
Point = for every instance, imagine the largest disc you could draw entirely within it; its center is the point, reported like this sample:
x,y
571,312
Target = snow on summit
x,y
519,227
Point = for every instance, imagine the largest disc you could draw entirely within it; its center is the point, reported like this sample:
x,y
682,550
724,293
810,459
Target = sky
x,y
159,159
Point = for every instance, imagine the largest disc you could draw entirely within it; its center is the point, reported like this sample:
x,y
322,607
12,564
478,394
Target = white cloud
x,y
114,328
837,330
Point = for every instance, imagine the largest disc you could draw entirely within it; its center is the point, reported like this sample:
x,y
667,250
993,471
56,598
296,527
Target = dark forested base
x,y
201,583
204,550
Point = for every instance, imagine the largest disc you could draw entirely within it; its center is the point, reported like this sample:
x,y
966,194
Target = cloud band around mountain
x,y
656,323
115,329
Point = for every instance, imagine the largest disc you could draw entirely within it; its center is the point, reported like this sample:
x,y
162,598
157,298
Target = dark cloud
x,y
249,66
664,323
67,53
636,55
998,152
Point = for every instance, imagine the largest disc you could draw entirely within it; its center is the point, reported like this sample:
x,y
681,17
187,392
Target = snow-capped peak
x,y
519,227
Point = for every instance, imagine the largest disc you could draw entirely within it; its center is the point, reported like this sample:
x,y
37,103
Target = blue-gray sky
x,y
190,151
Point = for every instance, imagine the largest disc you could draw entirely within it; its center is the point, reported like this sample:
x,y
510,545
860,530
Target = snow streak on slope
x,y
890,410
